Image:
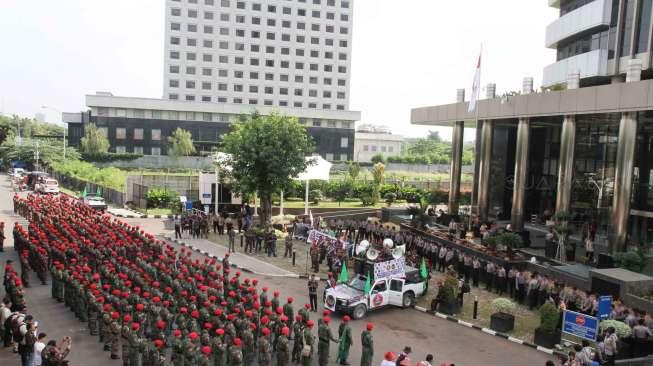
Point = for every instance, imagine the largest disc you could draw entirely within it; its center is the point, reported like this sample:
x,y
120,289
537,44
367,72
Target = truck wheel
x,y
408,300
359,311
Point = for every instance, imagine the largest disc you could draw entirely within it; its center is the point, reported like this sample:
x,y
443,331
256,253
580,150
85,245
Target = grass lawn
x,y
159,211
331,204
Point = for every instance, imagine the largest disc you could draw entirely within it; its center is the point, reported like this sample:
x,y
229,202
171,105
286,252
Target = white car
x,y
47,186
351,298
95,202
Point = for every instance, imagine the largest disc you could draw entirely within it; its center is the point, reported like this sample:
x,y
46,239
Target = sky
x,y
408,56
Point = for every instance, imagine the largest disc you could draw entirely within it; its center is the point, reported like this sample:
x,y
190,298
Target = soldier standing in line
x,y
324,336
289,312
219,348
124,333
135,343
298,330
288,247
177,357
93,305
308,340
368,346
2,236
344,334
315,258
115,335
264,348
283,348
105,332
312,292
249,346
235,353
203,359
490,270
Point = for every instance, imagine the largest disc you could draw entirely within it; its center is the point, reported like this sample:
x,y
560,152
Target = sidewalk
x,y
242,261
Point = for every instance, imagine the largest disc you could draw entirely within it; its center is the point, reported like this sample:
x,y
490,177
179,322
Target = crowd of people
x,y
152,305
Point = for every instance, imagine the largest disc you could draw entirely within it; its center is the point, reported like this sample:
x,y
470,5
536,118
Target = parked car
x,y
95,202
351,298
47,186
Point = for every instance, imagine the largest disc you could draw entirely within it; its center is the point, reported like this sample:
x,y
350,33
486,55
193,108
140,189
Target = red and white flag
x,y
476,87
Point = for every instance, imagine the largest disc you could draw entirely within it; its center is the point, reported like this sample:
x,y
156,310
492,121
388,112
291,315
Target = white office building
x,y
281,53
374,140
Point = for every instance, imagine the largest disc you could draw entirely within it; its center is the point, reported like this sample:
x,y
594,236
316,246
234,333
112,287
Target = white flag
x,y
476,87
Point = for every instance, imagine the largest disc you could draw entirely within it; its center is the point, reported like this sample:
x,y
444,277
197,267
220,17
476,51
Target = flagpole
x,y
480,70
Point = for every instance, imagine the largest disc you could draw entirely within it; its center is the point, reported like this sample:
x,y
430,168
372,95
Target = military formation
x,y
149,304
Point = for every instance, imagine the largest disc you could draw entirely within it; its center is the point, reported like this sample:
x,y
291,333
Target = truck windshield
x,y
358,283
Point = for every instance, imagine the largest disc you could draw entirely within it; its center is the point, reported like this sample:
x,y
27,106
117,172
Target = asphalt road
x,y
394,328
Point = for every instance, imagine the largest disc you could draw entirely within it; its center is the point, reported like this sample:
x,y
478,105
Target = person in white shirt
x,y
4,314
38,348
389,359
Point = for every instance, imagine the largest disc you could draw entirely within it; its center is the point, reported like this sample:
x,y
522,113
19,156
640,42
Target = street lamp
x,y
64,129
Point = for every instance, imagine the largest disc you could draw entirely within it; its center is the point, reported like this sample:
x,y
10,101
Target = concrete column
x,y
456,166
521,175
623,173
623,182
566,163
485,160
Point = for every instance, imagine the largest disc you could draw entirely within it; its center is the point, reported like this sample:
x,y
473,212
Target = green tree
x,y
434,136
378,176
378,158
266,152
182,143
354,169
94,142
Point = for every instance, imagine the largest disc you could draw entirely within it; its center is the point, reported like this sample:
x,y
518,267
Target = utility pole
x,y
36,155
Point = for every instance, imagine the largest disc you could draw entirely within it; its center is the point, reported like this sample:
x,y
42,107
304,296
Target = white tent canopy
x,y
319,169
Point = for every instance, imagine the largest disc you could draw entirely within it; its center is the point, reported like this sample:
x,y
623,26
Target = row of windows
x,y
254,75
209,29
270,8
373,148
239,46
239,60
156,151
285,37
155,134
313,93
254,101
271,22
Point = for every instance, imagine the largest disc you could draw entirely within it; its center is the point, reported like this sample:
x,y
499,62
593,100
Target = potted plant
x,y
490,242
503,319
548,333
510,241
563,229
447,295
623,332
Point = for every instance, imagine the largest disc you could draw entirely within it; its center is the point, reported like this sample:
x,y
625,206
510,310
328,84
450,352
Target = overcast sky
x,y
406,54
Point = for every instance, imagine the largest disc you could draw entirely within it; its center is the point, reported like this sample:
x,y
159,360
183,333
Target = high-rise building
x,y
281,53
596,38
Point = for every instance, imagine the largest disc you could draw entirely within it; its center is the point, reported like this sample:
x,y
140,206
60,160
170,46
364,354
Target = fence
x,y
111,196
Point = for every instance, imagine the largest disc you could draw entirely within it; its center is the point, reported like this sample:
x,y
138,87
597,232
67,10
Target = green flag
x,y
84,193
344,275
368,284
422,269
98,192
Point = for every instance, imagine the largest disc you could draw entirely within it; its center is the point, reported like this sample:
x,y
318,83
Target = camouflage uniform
x,y
264,351
283,351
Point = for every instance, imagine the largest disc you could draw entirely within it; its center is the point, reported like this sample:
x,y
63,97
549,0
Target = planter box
x,y
547,340
449,308
502,322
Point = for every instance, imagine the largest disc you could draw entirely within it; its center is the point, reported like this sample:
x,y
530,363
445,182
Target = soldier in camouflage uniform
x,y
309,341
219,348
177,349
368,346
235,354
135,344
93,307
283,348
289,312
124,340
249,345
264,348
115,335
325,336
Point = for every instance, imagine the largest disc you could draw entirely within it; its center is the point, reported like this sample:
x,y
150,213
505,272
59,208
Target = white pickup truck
x,y
350,298
47,186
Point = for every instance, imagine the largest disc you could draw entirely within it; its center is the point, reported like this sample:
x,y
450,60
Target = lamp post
x,y
64,129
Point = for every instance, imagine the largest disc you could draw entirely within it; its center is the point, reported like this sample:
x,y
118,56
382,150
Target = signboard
x,y
580,325
189,206
394,268
605,307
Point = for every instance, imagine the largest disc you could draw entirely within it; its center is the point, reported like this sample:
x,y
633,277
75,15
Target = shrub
x,y
632,261
510,240
621,329
503,305
160,197
390,198
378,158
490,242
315,196
450,289
366,195
108,157
549,317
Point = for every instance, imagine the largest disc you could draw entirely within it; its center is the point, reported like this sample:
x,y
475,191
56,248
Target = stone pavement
x,y
242,261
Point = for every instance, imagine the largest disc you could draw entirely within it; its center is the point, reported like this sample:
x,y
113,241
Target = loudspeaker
x,y
604,261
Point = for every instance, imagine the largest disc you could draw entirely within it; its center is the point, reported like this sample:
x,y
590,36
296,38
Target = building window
x,y
366,148
121,113
331,123
120,150
345,124
391,149
190,70
253,89
173,83
191,27
374,148
175,26
192,13
267,102
156,151
206,71
207,117
138,133
343,157
156,134
190,84
317,123
174,55
383,149
344,142
206,85
121,133
138,150
173,96
329,156
297,104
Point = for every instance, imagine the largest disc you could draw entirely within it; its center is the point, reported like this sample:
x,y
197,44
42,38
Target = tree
x,y
434,136
93,142
182,143
266,152
354,169
378,175
378,158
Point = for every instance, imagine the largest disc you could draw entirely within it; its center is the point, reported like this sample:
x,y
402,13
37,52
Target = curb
x,y
233,265
491,332
143,216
